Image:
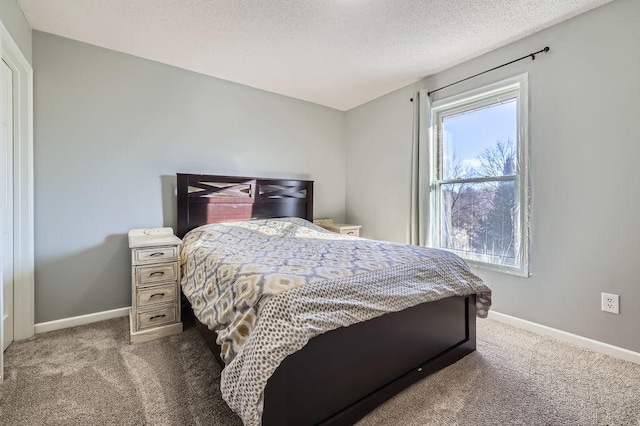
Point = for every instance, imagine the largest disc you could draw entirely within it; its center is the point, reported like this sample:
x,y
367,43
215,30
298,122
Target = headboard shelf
x,y
206,199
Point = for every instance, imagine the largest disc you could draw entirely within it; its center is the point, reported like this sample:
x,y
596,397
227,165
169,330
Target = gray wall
x,y
111,131
585,146
16,23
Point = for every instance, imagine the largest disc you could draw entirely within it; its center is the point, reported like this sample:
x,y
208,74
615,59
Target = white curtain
x,y
420,169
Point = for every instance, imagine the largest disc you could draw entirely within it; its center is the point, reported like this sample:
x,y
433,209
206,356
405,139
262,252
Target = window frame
x,y
509,88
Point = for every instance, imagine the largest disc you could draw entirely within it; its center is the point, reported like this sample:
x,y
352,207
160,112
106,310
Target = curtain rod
x,y
530,55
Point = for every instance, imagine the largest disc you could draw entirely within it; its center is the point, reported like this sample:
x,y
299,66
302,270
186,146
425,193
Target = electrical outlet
x,y
611,303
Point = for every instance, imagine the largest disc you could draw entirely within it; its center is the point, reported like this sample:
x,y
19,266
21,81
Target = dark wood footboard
x,y
341,375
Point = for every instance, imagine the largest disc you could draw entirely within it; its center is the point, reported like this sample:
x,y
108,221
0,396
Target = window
x,y
479,184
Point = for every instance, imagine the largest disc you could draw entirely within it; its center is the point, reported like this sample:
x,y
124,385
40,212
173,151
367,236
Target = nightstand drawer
x,y
155,274
155,295
156,254
157,317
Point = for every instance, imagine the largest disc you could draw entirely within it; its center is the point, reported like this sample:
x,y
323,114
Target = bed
x,y
341,374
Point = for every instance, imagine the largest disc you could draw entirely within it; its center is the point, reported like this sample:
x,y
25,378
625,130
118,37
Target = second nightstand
x,y
155,288
340,228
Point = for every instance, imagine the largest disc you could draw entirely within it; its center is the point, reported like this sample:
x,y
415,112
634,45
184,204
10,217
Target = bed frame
x,y
376,358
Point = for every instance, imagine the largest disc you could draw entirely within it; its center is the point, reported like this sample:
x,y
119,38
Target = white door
x,y
6,204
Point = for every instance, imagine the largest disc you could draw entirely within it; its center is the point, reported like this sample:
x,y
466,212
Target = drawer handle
x,y
156,274
157,316
156,295
158,253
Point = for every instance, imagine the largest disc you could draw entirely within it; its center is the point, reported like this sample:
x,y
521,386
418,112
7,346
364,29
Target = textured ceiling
x,y
338,53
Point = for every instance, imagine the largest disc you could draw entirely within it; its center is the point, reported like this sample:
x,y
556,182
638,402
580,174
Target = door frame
x,y
23,236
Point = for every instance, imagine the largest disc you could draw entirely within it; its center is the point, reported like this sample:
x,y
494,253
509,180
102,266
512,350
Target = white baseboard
x,y
563,336
43,327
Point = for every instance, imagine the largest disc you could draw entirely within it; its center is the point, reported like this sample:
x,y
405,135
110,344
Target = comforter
x,y
268,286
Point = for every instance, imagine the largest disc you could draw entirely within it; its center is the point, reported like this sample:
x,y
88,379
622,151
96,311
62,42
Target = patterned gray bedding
x,y
268,286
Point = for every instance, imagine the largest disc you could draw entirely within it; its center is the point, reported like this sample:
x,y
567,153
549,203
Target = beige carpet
x,y
91,375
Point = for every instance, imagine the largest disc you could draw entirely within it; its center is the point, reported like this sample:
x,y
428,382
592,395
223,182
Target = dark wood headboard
x,y
206,199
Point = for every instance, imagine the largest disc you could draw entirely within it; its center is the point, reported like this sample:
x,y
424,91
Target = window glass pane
x,y
479,219
480,142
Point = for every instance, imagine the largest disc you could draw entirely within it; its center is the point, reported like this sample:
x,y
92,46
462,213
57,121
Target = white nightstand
x,y
340,228
155,288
